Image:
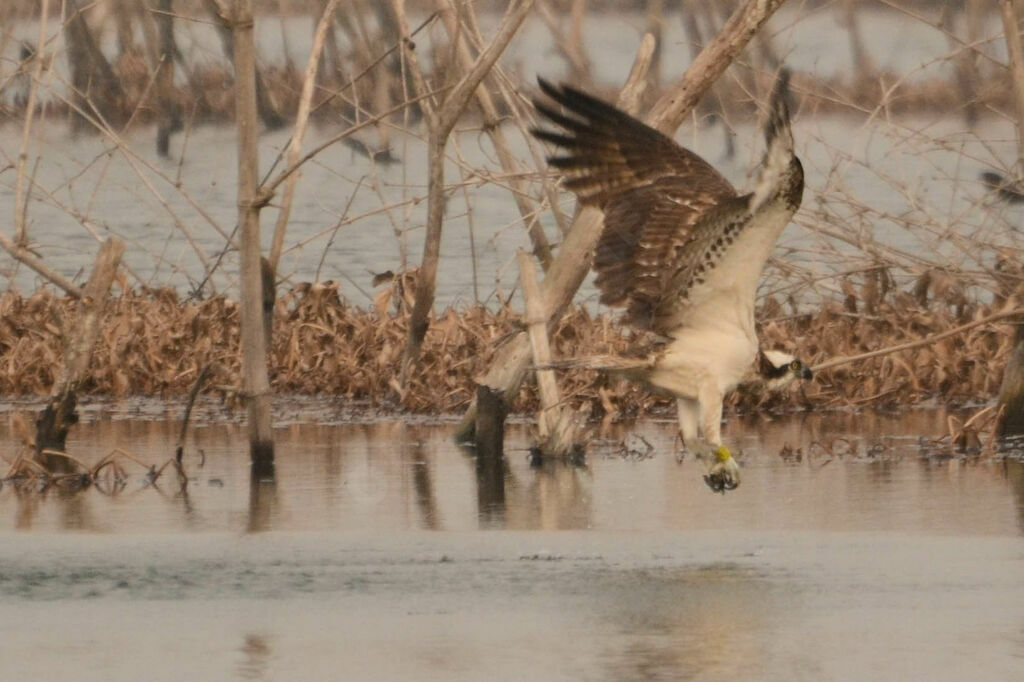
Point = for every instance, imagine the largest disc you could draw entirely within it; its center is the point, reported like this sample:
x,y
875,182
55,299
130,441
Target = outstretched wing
x,y
671,220
652,192
721,265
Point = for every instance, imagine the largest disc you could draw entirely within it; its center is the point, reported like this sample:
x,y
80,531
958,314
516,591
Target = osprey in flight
x,y
683,253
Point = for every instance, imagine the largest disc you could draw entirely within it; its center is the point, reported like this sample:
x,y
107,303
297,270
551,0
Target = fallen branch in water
x,y
107,475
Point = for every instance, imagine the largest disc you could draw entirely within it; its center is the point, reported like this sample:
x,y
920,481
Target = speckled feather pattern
x,y
669,216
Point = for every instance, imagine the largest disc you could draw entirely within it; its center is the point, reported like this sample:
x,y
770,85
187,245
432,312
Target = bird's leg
x,y
689,416
723,471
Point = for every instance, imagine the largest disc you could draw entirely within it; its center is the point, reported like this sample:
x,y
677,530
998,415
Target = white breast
x,y
722,354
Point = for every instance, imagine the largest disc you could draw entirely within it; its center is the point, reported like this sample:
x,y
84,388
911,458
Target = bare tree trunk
x,y
555,427
656,27
60,414
964,61
20,191
1011,392
490,463
711,105
301,120
170,114
93,79
569,42
123,11
268,113
440,121
670,111
573,258
256,383
863,68
970,76
1011,29
330,68
509,365
492,124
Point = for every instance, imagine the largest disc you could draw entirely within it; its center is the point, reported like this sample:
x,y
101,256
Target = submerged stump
x,y
59,415
490,438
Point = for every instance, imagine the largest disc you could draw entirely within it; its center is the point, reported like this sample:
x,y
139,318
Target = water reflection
x,y
256,654
693,622
490,490
555,496
838,472
262,501
1015,477
25,506
424,486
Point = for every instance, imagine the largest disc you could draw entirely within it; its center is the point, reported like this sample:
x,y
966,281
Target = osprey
x,y
683,253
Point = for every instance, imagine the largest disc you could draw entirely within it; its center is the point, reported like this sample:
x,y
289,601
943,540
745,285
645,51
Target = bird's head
x,y
777,369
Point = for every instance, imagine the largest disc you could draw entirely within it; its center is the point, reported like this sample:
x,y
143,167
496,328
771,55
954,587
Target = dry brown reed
x,y
155,344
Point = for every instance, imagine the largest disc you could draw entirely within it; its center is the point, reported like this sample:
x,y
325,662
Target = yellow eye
x,y
795,365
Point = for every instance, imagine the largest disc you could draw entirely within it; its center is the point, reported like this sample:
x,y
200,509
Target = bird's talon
x,y
725,473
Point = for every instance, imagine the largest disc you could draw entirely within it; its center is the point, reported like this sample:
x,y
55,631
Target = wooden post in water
x,y
255,381
490,463
80,336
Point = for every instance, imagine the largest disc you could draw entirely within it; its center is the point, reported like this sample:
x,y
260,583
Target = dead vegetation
x,y
844,287
152,343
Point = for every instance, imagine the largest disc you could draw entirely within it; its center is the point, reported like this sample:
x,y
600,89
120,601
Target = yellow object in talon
x,y
723,454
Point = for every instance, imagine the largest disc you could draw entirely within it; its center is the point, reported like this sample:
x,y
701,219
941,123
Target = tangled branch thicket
x,y
898,238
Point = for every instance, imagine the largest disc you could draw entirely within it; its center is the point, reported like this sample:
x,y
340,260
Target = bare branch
x,y
301,120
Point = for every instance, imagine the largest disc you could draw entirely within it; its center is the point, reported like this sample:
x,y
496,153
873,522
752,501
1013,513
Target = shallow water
x,y
380,555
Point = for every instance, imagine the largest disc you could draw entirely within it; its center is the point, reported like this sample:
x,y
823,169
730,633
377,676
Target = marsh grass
x,y
155,344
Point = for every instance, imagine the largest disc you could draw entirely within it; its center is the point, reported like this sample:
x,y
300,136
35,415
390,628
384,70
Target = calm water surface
x,y
380,555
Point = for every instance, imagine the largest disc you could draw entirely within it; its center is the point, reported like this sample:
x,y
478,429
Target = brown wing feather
x,y
660,220
670,218
652,192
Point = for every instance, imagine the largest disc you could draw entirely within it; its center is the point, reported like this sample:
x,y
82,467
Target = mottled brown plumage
x,y
669,216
